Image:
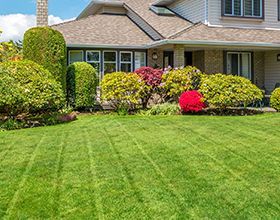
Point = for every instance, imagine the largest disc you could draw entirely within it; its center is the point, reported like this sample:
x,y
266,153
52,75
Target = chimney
x,y
42,13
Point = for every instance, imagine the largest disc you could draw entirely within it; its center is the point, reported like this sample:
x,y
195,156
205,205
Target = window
x,y
243,8
140,59
76,56
126,61
278,10
93,58
239,63
109,61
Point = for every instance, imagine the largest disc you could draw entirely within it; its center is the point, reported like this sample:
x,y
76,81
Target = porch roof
x,y
250,37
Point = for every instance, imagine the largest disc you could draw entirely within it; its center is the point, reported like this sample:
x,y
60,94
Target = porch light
x,y
278,57
155,56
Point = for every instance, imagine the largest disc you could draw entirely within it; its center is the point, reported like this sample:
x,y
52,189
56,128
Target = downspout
x,y
206,14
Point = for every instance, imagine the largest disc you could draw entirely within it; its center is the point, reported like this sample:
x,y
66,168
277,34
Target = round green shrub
x,y
26,87
275,99
81,85
163,109
122,90
47,47
177,81
222,91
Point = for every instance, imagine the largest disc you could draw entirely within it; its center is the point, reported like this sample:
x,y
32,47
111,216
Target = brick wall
x,y
214,61
179,55
42,12
198,59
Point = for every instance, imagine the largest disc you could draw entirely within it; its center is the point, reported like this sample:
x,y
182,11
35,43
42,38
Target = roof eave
x,y
163,2
107,46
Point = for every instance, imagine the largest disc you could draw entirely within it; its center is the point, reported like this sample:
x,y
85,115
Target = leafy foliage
x,y
81,85
27,87
10,51
177,81
220,90
164,109
275,99
191,101
47,47
152,77
123,90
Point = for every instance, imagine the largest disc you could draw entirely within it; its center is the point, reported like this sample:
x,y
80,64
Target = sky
x,y
16,16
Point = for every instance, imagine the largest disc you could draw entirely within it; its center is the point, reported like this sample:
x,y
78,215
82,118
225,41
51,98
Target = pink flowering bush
x,y
152,78
191,101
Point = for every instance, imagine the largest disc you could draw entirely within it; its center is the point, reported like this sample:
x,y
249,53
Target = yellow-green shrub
x,y
122,90
220,90
26,87
177,81
81,85
275,99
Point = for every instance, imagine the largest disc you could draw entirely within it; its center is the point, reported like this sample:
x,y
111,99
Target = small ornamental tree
x,y
275,99
81,85
191,101
223,91
177,81
152,77
123,91
47,47
26,87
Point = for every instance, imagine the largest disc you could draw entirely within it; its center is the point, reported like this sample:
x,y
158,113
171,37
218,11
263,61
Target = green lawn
x,y
176,167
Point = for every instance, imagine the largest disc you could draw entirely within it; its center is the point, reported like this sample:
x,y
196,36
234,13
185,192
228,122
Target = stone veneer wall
x,y
159,61
258,67
42,12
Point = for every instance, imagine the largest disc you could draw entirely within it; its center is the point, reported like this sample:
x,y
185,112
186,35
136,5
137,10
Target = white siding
x,y
272,70
270,14
192,10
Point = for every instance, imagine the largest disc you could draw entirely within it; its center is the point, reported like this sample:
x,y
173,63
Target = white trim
x,y
75,51
126,62
239,58
103,64
94,51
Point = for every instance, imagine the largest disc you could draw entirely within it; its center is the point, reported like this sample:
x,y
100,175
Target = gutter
x,y
180,42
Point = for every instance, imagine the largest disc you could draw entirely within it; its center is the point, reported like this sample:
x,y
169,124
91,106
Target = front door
x,y
168,59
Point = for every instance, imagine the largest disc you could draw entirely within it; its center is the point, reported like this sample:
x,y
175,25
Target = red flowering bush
x,y
152,78
191,101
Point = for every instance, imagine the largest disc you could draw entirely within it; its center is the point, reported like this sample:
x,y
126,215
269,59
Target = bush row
x,y
132,90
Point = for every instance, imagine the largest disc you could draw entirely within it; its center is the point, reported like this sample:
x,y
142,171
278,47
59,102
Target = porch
x,y
262,66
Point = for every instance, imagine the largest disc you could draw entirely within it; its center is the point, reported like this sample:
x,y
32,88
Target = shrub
x,y
220,90
122,90
27,87
164,109
81,85
191,101
47,47
177,81
152,77
10,51
275,99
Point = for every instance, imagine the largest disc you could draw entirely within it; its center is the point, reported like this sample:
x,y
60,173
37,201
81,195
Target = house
x,y
239,37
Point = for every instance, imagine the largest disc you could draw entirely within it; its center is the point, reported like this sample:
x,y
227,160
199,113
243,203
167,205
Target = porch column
x,y
179,55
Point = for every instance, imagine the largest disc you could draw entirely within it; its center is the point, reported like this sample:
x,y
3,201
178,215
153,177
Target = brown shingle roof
x,y
201,32
103,29
165,25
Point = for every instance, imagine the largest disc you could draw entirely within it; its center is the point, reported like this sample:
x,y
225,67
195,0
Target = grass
x,y
110,167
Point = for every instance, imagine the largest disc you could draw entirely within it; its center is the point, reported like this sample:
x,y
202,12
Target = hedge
x,y
47,47
275,99
81,85
26,87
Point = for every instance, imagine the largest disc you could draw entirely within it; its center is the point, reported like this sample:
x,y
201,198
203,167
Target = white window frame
x,y
243,10
69,52
239,67
99,62
145,58
126,62
116,62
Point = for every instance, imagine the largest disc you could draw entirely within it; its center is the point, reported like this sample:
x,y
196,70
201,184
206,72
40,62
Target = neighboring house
x,y
240,37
